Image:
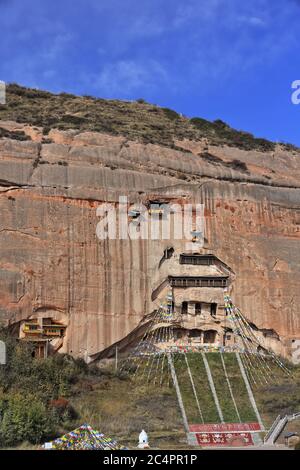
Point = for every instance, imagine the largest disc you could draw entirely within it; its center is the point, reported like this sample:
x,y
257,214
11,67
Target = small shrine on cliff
x,y
45,334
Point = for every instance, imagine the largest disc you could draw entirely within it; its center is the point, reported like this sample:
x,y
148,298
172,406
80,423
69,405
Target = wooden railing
x,y
198,281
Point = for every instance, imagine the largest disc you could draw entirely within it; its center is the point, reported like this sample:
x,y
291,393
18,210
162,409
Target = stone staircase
x,y
277,427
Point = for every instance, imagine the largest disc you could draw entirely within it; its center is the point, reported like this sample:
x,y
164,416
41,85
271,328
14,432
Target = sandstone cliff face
x,y
52,263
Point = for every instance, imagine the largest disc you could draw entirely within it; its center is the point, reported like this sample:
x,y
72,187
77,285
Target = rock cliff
x,y
57,166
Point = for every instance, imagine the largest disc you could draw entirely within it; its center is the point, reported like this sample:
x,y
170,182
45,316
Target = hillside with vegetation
x,y
136,120
42,399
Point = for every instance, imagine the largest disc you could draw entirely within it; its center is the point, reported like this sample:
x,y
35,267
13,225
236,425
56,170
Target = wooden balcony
x,y
198,281
207,259
48,330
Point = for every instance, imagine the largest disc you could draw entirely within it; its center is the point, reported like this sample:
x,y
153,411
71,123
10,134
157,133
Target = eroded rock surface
x,y
52,263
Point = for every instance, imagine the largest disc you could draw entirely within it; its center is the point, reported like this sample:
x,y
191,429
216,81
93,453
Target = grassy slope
x,y
121,407
136,120
237,385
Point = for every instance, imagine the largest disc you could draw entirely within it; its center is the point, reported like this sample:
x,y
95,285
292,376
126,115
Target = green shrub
x,y
221,124
16,135
200,123
238,165
33,391
221,133
24,418
170,113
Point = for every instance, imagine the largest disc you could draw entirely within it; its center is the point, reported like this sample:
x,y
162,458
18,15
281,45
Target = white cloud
x,y
191,10
129,76
169,45
56,46
255,21
198,44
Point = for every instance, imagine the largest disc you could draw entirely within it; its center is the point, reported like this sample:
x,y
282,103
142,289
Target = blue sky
x,y
219,59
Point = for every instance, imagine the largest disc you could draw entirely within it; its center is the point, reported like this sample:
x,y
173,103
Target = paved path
x,y
262,447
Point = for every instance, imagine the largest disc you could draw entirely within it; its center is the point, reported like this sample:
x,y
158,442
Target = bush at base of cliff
x,y
33,406
24,419
47,379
